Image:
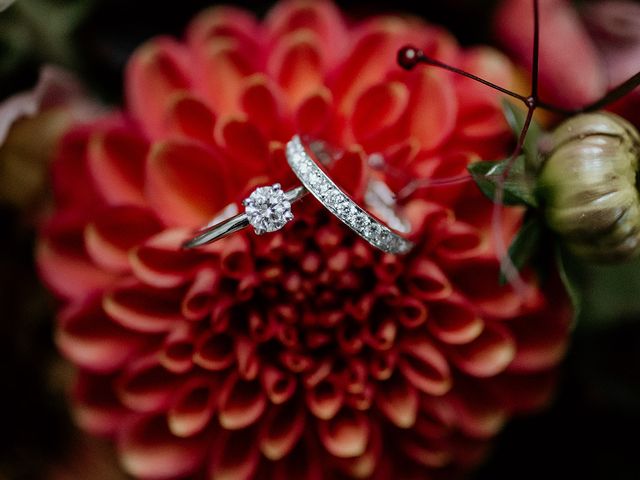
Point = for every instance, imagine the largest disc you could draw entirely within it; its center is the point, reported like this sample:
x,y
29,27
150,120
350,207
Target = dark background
x,y
590,431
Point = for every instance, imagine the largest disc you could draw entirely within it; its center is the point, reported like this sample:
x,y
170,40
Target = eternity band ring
x,y
268,208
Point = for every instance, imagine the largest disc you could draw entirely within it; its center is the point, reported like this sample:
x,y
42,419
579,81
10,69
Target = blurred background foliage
x,y
584,434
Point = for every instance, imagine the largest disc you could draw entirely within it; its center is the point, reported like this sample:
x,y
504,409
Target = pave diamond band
x,y
312,176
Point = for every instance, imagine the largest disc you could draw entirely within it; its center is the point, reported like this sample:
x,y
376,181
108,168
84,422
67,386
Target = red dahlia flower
x,y
305,353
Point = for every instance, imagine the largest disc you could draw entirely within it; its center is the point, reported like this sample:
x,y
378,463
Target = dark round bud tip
x,y
408,57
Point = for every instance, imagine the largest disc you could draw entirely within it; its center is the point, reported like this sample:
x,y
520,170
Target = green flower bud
x,y
587,183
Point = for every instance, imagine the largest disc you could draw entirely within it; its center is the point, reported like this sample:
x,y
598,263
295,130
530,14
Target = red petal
x,y
116,159
187,184
325,399
146,386
114,232
477,414
155,72
487,355
222,21
64,264
425,367
235,455
315,113
398,401
263,102
241,403
247,149
97,409
454,321
187,116
193,407
376,111
297,65
143,309
163,263
345,435
91,340
177,352
350,172
198,301
214,351
427,281
279,385
147,449
434,109
281,430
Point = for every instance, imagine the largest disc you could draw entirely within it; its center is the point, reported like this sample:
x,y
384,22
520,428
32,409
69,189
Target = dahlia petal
x,y
189,117
247,149
477,281
433,109
116,159
398,401
186,183
69,171
248,363
65,266
297,64
145,385
454,321
363,466
97,409
458,241
425,367
147,449
382,335
427,281
377,110
142,308
278,385
488,354
91,340
477,414
281,430
241,403
325,399
235,455
322,18
382,365
224,63
262,102
235,258
302,462
193,407
198,301
315,113
114,232
162,263
541,339
411,312
178,349
214,351
346,434
260,328
429,453
370,58
155,72
222,21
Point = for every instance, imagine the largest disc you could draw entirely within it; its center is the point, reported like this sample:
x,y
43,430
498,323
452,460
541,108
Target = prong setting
x,y
268,209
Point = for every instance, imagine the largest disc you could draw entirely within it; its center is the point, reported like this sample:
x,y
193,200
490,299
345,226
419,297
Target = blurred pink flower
x,y
583,54
304,353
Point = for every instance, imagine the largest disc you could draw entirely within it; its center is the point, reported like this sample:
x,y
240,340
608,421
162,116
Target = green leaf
x,y
518,186
525,244
515,118
568,275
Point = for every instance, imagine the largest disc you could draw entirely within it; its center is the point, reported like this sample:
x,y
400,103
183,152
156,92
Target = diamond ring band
x,y
268,208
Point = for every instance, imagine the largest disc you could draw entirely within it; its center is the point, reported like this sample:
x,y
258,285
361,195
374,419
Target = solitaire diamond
x,y
268,209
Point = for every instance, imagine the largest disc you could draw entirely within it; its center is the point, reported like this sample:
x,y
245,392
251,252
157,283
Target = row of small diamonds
x,y
323,188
